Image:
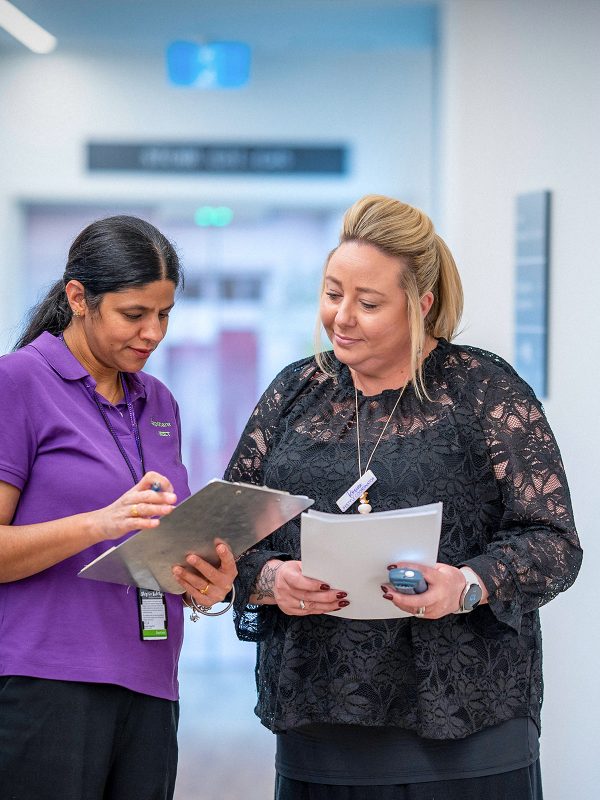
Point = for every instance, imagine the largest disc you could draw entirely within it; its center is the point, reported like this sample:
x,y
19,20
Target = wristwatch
x,y
471,594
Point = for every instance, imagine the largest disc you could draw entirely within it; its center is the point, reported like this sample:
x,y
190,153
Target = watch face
x,y
472,597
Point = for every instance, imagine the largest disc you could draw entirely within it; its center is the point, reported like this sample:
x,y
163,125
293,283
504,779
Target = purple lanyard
x,y
138,441
132,419
134,427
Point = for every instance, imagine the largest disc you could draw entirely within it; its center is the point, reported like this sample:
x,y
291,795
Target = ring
x,y
205,590
134,512
420,612
302,605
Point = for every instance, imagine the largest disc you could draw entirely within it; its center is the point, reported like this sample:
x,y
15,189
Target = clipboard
x,y
239,514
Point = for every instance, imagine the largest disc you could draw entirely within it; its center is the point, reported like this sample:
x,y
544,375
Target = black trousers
x,y
520,784
62,740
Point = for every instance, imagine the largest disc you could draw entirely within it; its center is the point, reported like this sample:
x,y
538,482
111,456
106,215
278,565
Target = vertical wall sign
x,y
532,289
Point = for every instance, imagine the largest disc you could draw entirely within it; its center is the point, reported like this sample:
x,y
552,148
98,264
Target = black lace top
x,y
482,445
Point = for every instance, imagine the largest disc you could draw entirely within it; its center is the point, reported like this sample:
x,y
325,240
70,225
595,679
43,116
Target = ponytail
x,y
446,311
52,314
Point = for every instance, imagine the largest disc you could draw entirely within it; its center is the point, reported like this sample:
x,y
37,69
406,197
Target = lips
x,y
141,353
344,341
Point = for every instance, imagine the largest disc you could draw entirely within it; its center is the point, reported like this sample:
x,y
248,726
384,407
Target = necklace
x,y
116,393
365,507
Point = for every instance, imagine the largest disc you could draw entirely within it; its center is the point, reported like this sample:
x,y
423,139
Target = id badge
x,y
152,609
354,492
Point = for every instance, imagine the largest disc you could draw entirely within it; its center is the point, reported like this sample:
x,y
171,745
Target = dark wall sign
x,y
532,289
234,159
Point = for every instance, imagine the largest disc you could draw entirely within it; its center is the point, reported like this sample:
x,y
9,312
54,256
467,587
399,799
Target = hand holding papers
x,y
240,514
352,552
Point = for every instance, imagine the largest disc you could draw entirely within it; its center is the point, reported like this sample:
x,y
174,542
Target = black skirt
x,y
519,784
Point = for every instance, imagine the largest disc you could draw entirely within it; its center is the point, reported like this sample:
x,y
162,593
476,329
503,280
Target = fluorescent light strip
x,y
25,29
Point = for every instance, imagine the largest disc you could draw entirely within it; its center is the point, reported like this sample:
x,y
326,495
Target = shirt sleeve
x,y
535,553
18,442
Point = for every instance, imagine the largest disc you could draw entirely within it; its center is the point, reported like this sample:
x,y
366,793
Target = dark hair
x,y
110,255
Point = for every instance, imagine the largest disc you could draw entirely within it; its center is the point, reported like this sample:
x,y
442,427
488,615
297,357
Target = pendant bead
x,y
364,507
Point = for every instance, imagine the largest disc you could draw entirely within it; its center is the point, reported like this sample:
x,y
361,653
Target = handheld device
x,y
407,580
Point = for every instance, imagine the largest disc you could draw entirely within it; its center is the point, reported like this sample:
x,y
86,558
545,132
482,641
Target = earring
x,y
75,313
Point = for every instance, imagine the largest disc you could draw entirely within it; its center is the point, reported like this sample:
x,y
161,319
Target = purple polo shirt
x,y
56,448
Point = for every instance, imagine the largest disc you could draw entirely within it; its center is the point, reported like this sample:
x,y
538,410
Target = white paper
x,y
352,553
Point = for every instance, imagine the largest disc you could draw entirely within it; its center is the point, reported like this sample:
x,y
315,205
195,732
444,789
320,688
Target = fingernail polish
x,y
325,586
392,566
384,589
343,603
387,597
340,595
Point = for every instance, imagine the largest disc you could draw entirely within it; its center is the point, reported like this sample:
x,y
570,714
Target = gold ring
x,y
134,511
205,590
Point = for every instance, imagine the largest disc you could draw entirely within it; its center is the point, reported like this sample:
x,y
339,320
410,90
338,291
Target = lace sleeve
x,y
535,553
247,466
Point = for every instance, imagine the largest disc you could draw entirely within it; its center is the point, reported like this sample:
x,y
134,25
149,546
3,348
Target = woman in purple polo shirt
x,y
90,450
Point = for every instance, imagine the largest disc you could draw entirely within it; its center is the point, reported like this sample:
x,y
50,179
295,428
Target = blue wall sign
x,y
218,65
532,289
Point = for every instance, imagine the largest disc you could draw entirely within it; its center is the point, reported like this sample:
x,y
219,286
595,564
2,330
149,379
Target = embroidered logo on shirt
x,y
161,426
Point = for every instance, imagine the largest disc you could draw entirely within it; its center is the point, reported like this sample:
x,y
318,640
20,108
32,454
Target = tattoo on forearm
x,y
265,582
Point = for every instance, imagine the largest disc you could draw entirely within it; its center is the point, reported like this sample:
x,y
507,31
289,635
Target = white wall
x,y
378,102
521,113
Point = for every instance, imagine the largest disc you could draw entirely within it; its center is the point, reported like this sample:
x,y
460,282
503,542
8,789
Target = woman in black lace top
x,y
444,703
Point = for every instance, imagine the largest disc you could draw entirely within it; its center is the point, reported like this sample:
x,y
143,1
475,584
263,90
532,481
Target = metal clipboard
x,y
240,514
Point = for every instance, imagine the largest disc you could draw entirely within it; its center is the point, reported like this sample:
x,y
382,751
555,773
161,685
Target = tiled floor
x,y
224,751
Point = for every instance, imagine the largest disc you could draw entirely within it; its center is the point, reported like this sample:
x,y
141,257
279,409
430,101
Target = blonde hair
x,y
427,265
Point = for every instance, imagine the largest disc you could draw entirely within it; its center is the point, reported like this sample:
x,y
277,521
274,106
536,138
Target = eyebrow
x,y
363,289
140,307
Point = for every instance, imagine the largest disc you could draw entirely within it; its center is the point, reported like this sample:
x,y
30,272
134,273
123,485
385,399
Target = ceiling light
x,y
25,29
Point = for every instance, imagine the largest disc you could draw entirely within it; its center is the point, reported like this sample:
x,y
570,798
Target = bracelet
x,y
206,611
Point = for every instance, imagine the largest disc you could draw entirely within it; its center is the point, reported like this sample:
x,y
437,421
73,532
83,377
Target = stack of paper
x,y
351,552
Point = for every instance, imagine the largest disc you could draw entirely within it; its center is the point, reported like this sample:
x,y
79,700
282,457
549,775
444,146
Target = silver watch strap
x,y
471,578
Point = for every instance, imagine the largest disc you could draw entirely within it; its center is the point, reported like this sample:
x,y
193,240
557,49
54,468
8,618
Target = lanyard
x,y
107,422
134,427
152,608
